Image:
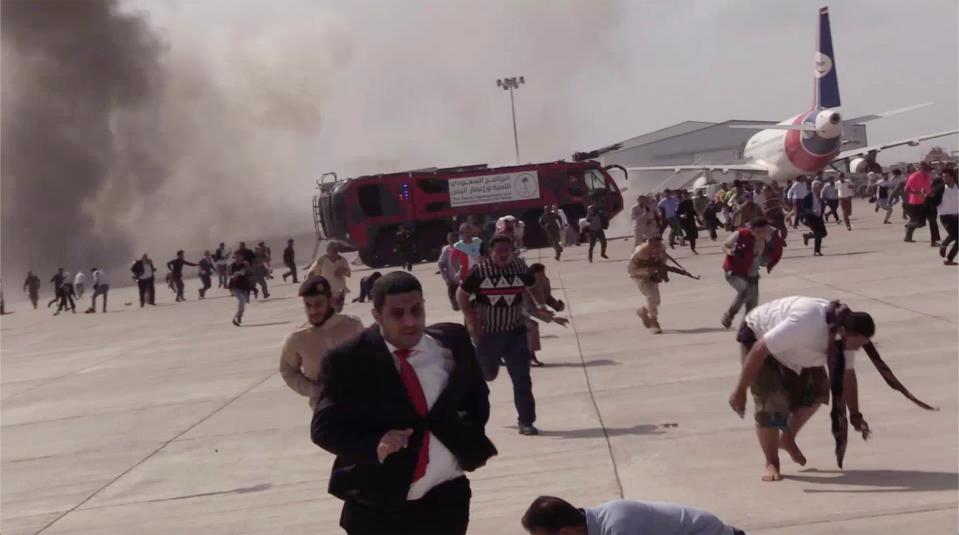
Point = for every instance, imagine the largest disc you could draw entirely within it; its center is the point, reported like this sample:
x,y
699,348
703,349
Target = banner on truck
x,y
488,189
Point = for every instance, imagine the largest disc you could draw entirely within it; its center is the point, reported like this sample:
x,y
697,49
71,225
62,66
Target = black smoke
x,y
70,71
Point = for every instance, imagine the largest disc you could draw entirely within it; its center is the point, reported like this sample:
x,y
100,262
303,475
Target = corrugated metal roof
x,y
678,130
665,133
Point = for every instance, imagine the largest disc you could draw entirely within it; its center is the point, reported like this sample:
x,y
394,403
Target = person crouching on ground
x,y
784,347
548,515
366,287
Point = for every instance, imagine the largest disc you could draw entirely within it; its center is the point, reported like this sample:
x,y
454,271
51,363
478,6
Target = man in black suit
x,y
403,407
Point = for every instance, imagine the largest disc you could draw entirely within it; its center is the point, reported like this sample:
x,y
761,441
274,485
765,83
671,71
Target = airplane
x,y
809,142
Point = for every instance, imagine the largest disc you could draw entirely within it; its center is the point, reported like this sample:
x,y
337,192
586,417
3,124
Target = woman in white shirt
x,y
949,216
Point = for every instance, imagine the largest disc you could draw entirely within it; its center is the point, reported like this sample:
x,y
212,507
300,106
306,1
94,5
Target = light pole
x,y
510,84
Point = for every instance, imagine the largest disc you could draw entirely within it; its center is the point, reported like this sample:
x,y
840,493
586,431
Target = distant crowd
x,y
926,194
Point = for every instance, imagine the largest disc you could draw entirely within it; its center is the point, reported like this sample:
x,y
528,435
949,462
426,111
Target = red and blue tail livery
x,y
826,87
804,144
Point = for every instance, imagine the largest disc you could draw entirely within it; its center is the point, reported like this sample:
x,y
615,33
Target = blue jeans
x,y
513,348
242,298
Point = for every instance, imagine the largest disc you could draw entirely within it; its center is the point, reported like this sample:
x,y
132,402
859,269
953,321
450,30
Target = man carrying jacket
x,y
747,250
404,409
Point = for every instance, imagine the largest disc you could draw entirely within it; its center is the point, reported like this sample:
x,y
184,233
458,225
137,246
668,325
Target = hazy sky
x,y
419,85
244,103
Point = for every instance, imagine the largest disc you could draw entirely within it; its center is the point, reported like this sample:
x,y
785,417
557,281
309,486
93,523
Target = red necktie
x,y
415,392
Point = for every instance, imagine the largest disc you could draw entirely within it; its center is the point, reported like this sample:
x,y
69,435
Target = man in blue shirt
x,y
668,206
553,516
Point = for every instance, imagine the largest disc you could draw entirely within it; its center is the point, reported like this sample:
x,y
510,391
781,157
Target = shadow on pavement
x,y
588,364
598,432
884,480
697,330
851,253
244,490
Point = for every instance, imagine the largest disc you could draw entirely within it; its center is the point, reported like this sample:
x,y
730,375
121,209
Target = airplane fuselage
x,y
790,153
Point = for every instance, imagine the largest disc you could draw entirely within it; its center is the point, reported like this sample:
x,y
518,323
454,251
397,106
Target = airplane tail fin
x,y
826,87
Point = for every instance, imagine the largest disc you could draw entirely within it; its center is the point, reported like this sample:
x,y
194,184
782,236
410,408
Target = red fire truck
x,y
364,213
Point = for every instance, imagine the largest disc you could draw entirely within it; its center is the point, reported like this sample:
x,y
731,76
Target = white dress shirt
x,y
147,272
844,189
950,201
829,192
798,191
433,365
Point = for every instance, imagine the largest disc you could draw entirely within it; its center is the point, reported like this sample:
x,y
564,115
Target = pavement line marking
x,y
154,452
589,386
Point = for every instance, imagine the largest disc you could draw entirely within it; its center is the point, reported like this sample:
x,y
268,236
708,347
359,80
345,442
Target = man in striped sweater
x,y
497,323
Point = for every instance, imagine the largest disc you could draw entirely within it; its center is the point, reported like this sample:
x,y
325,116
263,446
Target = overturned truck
x,y
365,213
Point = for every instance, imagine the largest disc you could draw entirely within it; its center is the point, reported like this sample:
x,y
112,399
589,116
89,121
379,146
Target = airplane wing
x,y
721,167
805,127
872,117
863,151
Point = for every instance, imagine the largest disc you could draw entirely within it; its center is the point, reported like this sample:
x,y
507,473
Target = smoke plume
x,y
70,71
142,126
118,139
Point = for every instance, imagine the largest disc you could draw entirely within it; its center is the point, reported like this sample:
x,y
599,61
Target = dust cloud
x,y
131,127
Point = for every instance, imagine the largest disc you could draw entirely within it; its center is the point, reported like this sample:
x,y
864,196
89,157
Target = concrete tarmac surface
x,y
170,420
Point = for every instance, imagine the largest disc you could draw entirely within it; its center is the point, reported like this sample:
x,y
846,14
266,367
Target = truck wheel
x,y
371,259
430,240
534,237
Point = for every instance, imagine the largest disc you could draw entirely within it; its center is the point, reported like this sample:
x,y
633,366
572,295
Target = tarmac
x,y
171,420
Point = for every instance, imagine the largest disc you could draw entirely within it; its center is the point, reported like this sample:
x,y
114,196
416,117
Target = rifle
x,y
679,269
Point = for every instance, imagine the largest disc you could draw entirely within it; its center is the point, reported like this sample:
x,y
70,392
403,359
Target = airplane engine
x,y
863,165
828,124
